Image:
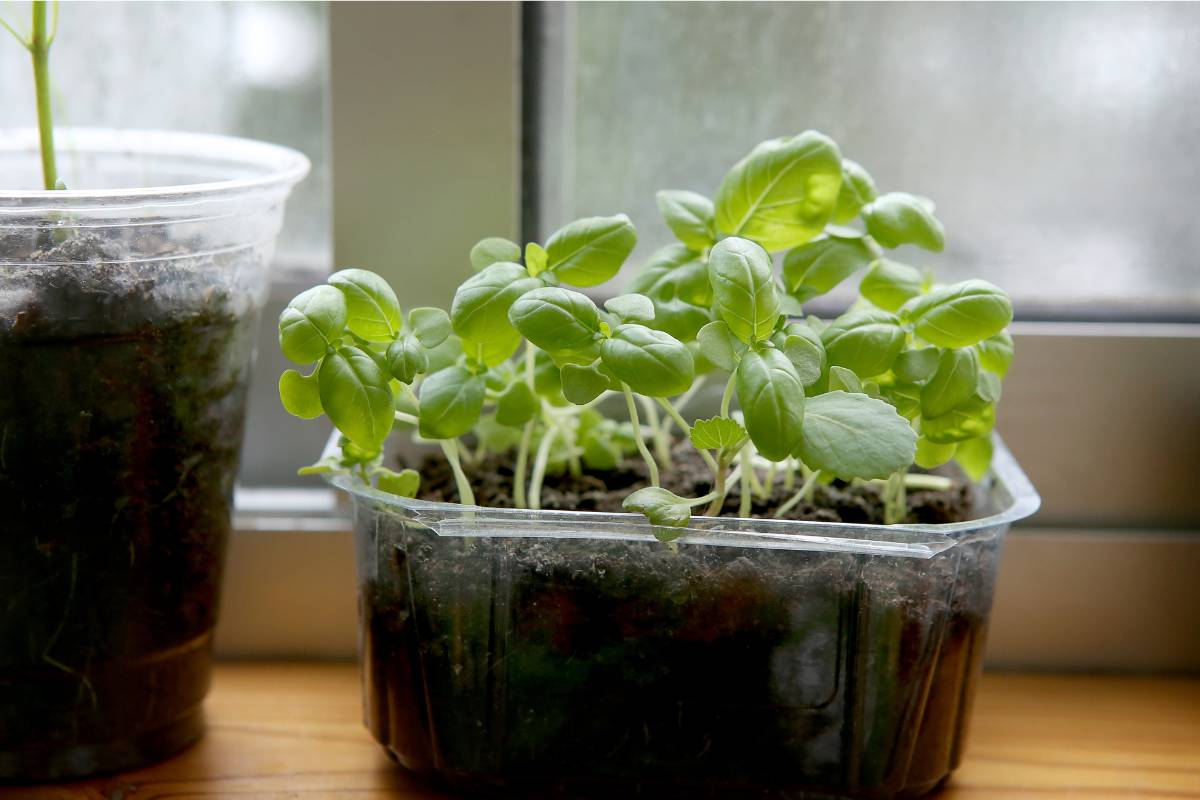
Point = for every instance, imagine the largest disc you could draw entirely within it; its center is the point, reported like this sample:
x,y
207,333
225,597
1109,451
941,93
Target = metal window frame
x,y
1104,416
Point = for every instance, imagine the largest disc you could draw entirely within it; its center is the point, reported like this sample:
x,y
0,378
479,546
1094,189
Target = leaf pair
x,y
583,253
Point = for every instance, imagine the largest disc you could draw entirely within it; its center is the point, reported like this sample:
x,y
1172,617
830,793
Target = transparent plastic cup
x,y
574,654
127,321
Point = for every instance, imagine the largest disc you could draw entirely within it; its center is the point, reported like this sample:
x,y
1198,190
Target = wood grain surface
x,y
292,731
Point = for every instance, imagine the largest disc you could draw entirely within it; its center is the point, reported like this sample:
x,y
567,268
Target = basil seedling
x,y
523,362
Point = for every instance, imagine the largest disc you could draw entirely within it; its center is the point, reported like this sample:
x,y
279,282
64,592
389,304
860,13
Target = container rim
x,y
1007,482
280,167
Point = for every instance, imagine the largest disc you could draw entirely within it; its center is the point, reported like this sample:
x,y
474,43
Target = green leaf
x,y
718,344
536,258
516,405
855,436
631,308
547,378
356,396
600,451
988,388
772,400
690,217
493,250
930,454
676,281
312,323
589,251
653,363
898,218
406,359
479,313
783,193
718,433
843,379
373,312
975,457
431,326
959,315
971,420
866,341
952,384
494,437
300,394
660,506
404,484
583,384
857,190
890,284
451,402
744,290
906,397
445,354
815,268
916,366
996,353
802,345
556,319
323,467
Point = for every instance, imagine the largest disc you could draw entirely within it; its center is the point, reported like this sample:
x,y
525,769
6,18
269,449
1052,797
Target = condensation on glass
x,y
1057,139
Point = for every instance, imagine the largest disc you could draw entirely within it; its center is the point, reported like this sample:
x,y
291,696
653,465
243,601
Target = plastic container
x,y
573,654
127,322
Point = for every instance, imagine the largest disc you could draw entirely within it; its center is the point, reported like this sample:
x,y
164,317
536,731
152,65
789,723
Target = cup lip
x,y
282,166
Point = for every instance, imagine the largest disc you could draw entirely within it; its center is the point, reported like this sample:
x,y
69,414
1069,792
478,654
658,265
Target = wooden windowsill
x,y
293,731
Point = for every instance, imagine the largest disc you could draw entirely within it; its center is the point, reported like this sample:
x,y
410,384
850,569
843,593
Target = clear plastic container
x,y
127,321
573,654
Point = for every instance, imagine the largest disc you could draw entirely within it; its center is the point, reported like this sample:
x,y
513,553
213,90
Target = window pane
x,y
1057,139
256,69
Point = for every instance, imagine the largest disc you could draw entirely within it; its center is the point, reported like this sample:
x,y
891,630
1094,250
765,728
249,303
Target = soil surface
x,y
491,480
121,422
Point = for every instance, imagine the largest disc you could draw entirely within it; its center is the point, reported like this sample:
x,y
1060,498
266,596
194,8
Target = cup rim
x,y
282,167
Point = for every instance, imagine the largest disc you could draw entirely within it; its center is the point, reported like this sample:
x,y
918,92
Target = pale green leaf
x,y
690,217
312,323
855,436
373,312
783,192
898,218
494,250
589,251
890,284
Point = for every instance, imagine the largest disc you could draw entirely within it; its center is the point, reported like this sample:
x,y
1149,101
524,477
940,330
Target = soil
x,y
120,425
510,665
492,479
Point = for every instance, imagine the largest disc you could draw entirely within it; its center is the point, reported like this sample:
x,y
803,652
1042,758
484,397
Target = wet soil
x,y
120,424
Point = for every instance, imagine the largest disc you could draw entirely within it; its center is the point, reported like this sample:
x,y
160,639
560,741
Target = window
x,y
1057,139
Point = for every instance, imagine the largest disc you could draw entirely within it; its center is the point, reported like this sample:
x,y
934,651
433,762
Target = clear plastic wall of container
x,y
128,305
574,652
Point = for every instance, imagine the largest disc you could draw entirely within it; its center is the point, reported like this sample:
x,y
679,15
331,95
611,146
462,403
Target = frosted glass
x,y
256,69
1059,140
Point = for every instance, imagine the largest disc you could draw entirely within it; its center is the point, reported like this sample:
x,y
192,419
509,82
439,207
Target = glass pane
x,y
1057,139
256,69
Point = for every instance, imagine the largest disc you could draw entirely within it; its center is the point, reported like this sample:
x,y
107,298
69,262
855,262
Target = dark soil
x,y
492,480
533,667
120,424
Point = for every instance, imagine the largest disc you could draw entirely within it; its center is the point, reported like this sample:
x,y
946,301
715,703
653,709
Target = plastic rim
x,y
280,167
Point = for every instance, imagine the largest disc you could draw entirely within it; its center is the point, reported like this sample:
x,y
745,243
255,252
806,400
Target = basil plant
x,y
910,374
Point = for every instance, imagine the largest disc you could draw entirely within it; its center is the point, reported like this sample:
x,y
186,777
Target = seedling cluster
x,y
909,374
